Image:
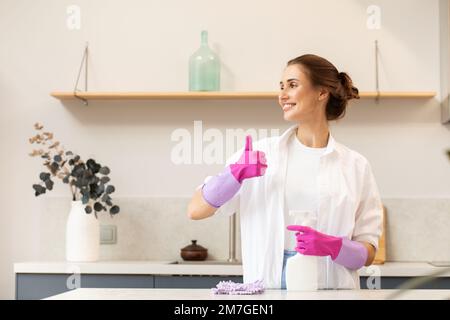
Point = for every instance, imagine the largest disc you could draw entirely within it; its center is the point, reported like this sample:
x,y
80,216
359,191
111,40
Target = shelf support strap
x,y
377,80
84,61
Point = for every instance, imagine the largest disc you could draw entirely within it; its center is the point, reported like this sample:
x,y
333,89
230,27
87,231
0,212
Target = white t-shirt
x,y
302,190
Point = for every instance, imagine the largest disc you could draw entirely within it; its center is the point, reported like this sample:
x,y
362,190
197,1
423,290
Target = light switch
x,y
108,234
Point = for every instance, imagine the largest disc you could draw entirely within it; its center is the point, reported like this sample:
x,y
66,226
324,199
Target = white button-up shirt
x,y
349,205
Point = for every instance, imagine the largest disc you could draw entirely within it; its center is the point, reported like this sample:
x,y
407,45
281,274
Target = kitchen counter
x,y
206,294
389,269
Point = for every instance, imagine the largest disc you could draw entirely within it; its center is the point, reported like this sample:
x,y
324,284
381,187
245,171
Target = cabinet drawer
x,y
199,282
39,286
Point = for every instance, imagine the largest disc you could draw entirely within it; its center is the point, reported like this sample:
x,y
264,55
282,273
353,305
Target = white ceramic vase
x,y
82,235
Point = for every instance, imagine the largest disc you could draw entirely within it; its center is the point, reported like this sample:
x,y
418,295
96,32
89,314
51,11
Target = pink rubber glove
x,y
221,188
313,243
250,164
350,254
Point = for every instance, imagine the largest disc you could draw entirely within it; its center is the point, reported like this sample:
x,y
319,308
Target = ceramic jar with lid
x,y
194,252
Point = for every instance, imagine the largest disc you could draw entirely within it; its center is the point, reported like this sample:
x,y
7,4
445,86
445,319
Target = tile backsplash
x,y
153,228
417,229
156,228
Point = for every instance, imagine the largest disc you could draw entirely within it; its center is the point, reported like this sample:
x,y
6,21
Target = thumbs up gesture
x,y
222,187
251,163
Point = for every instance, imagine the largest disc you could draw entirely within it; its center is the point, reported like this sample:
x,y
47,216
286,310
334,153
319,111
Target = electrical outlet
x,y
108,234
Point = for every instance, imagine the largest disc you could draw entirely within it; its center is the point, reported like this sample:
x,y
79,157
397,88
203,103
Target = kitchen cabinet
x,y
395,282
197,282
38,286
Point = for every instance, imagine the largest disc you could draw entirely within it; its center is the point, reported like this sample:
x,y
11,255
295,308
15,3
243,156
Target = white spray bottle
x,y
301,270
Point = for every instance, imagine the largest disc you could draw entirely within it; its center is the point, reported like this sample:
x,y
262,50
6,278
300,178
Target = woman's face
x,y
299,99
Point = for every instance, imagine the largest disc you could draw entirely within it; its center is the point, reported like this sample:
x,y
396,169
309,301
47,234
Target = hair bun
x,y
348,91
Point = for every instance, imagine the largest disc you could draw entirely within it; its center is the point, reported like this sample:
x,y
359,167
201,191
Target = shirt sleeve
x,y
369,215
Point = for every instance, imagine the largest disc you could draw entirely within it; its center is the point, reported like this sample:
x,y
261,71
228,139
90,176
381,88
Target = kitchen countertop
x,y
206,294
389,269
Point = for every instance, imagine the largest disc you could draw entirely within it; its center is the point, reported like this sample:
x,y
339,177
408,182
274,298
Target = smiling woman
x,y
310,78
304,169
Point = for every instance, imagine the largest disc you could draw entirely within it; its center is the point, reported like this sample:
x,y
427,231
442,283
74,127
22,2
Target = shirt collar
x,y
331,146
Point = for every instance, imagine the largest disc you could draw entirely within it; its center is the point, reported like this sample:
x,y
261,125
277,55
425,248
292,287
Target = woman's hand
x,y
313,243
251,163
350,254
222,187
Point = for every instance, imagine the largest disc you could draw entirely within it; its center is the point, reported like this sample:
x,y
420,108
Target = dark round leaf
x,y
98,206
69,153
49,184
93,166
91,163
57,158
71,162
66,179
78,170
110,189
76,158
105,170
105,180
93,191
114,210
88,209
54,167
39,189
44,176
106,197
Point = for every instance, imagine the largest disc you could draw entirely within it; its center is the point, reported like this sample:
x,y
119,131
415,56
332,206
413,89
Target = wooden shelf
x,y
215,95
164,95
400,95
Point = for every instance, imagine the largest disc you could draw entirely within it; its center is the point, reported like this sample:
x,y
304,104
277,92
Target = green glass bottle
x,y
204,68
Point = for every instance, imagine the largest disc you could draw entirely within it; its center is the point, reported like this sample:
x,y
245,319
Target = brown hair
x,y
323,73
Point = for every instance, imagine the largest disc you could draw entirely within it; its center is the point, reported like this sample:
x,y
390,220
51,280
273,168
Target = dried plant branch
x,y
82,177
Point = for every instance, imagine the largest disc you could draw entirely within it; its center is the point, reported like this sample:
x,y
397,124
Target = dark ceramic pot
x,y
194,252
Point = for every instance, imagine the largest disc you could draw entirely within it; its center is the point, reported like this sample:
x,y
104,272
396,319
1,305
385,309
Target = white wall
x,y
145,45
